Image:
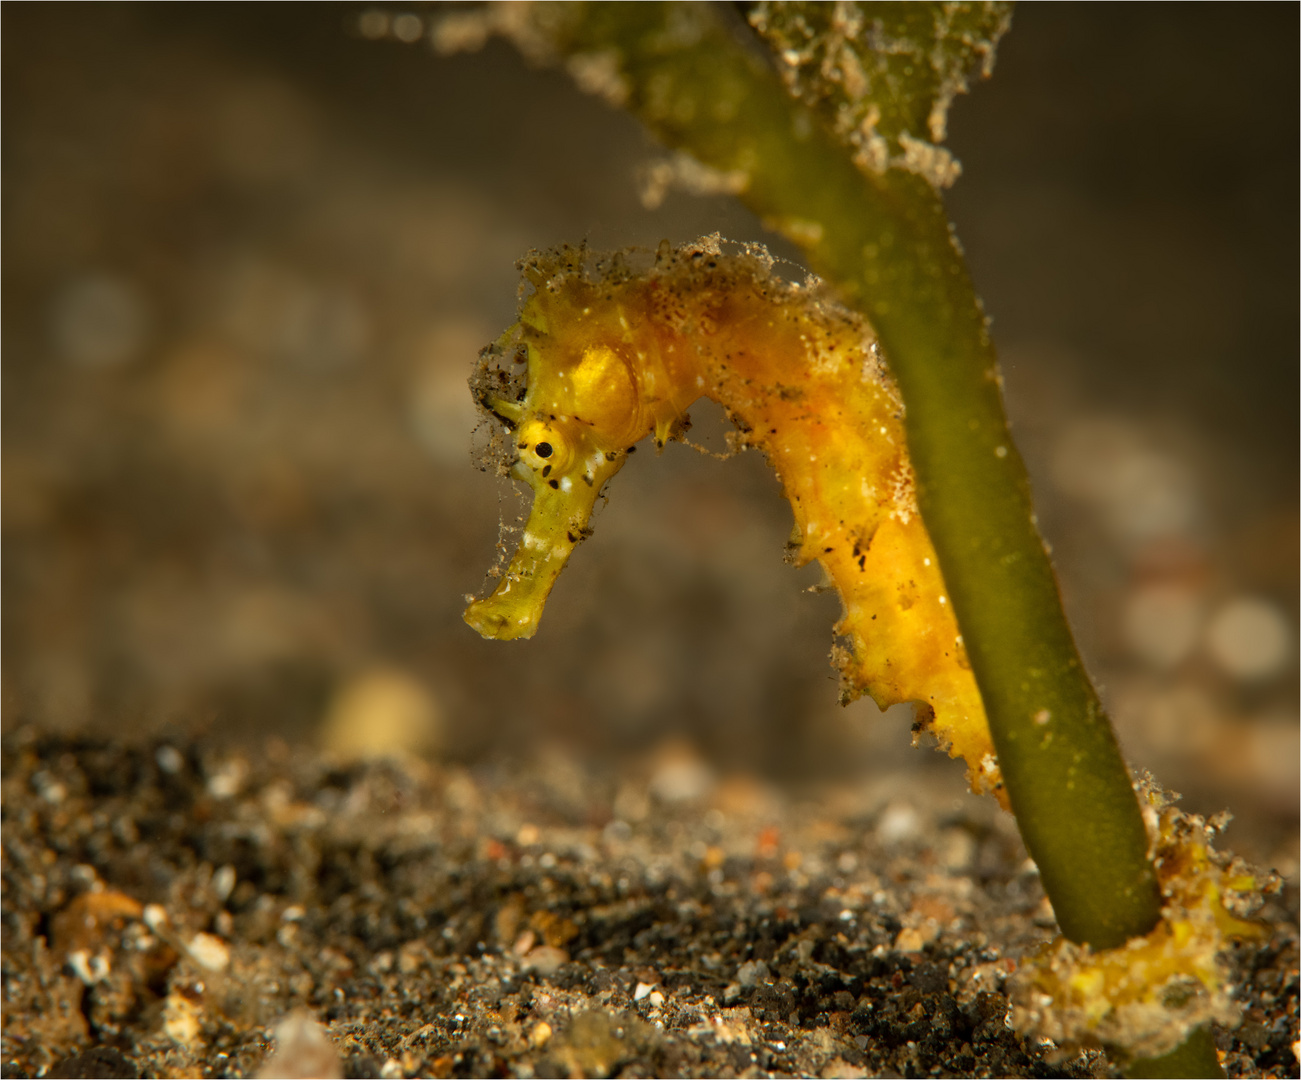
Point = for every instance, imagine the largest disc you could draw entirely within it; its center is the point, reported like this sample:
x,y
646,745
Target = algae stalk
x,y
882,239
866,213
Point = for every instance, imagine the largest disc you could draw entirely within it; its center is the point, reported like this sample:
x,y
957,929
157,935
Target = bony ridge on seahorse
x,y
614,354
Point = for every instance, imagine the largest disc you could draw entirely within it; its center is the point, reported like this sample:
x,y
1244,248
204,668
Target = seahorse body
x,y
614,354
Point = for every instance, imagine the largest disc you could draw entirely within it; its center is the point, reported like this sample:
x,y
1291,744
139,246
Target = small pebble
x,y
545,960
909,940
228,779
209,951
682,778
169,759
303,1050
181,1022
89,969
1250,639
223,883
898,824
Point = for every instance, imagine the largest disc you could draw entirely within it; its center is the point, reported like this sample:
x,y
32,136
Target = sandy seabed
x,y
171,910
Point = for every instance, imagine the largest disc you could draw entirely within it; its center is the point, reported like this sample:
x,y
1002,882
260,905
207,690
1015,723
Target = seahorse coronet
x,y
619,347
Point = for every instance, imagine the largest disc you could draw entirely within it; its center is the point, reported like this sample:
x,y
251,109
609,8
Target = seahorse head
x,y
581,410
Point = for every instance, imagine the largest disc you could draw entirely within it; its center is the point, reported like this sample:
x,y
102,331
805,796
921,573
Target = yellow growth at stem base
x,y
1147,995
615,353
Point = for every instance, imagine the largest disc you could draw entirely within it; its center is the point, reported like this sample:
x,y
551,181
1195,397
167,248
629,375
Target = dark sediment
x,y
167,907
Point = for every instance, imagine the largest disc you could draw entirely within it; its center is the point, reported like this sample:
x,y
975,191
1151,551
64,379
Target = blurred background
x,y
251,252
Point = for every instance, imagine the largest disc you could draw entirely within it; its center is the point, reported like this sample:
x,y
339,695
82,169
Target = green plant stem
x,y
884,242
1195,1057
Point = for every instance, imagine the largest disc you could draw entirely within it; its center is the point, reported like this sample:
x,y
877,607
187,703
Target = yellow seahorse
x,y
614,354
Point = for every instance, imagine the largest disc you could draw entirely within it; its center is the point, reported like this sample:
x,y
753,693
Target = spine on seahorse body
x,y
614,354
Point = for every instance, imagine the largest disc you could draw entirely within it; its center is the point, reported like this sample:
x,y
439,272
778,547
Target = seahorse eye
x,y
543,447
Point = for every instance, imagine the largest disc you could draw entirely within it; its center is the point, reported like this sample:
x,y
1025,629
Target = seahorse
x,y
611,354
